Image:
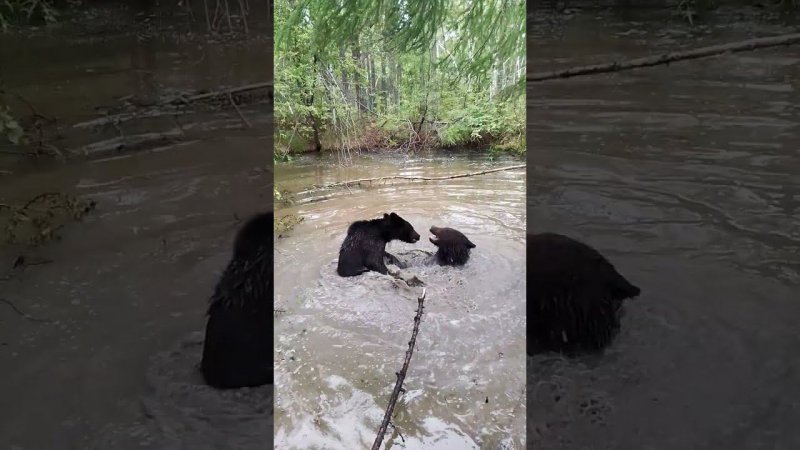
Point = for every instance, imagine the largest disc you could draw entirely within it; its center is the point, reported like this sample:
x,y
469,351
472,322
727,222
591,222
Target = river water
x,y
125,293
687,177
340,341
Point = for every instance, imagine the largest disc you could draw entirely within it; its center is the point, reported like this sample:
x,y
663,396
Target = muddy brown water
x,y
125,296
101,66
685,176
341,340
688,178
115,366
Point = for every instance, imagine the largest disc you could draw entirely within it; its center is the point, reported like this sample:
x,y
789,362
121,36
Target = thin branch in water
x,y
26,316
239,111
236,90
401,376
402,438
666,58
39,197
21,261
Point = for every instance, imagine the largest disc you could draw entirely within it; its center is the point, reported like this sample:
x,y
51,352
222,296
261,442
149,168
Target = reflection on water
x,y
342,339
685,176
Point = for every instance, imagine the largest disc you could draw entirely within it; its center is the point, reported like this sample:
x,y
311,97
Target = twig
x,y
39,197
22,262
17,310
666,58
413,178
398,385
398,431
238,111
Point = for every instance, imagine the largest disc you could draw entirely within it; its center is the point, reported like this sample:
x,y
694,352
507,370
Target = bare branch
x,y
666,58
414,178
398,385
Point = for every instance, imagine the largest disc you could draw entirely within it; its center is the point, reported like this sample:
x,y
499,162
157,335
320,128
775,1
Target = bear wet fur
x,y
453,247
364,247
574,296
237,351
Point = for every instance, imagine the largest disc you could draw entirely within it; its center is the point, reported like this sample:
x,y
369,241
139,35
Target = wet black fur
x,y
452,246
237,351
574,296
364,248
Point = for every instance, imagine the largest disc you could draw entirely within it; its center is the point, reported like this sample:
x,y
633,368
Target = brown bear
x,y
574,296
364,247
237,351
453,247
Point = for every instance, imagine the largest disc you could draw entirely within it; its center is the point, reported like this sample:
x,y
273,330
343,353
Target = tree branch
x,y
157,109
239,111
666,58
413,178
236,90
24,315
398,385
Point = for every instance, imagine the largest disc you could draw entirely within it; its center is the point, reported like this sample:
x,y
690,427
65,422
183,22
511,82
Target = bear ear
x,y
470,244
394,216
385,216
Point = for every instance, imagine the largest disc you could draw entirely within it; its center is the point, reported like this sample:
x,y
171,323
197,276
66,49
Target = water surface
x,y
686,177
125,290
341,340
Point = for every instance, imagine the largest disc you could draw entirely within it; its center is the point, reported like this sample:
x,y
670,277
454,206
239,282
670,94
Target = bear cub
x,y
237,351
364,247
452,246
574,296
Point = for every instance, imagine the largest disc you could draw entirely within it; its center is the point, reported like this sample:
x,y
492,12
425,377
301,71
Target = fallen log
x,y
416,178
157,109
666,58
220,93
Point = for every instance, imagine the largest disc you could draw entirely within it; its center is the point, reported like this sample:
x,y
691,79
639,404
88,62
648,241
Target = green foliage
x,y
478,123
38,221
417,73
285,224
415,26
282,155
281,197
